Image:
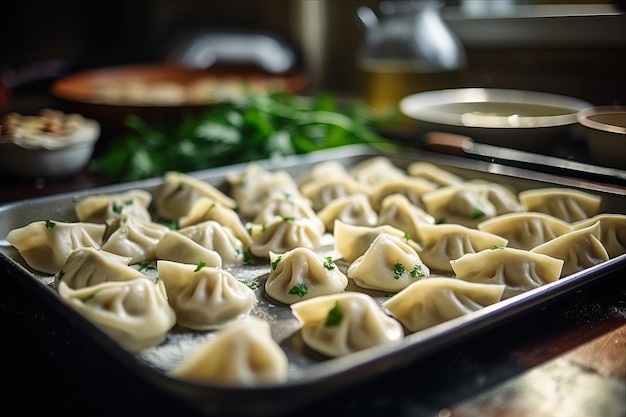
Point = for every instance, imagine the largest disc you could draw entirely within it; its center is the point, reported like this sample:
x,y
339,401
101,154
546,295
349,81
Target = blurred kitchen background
x,y
572,47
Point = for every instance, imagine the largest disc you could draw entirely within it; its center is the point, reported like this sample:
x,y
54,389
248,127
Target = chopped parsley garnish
x,y
398,270
50,224
495,247
276,261
118,208
329,263
334,316
478,214
174,225
60,275
300,290
145,265
201,265
406,237
289,218
253,285
181,186
417,272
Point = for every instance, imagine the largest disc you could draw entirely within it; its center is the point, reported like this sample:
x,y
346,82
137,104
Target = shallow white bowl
x,y
43,157
604,128
518,119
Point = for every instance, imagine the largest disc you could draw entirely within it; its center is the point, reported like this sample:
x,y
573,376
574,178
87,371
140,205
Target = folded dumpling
x,y
389,264
458,204
322,171
135,312
439,176
221,239
175,246
520,270
375,170
351,241
502,197
411,187
204,297
525,230
179,191
302,273
580,249
612,231
435,300
326,190
397,210
133,237
567,204
352,209
285,234
242,354
100,208
441,243
91,266
46,244
281,206
339,324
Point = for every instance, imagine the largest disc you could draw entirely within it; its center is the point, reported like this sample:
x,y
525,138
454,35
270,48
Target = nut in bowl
x,y
50,145
605,133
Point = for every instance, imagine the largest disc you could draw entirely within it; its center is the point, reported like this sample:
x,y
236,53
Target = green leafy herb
x,y
334,316
254,127
496,247
329,264
417,271
253,285
289,218
60,275
276,261
50,224
299,289
201,265
478,214
398,270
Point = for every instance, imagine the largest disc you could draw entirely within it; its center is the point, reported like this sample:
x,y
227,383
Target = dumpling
x,y
352,209
91,266
212,235
411,187
324,191
567,204
174,246
323,171
375,170
339,324
396,210
502,197
204,297
241,354
389,264
441,243
439,176
133,237
580,249
100,208
205,209
286,234
457,204
281,206
351,241
46,244
525,230
612,231
433,301
302,273
520,270
179,191
135,312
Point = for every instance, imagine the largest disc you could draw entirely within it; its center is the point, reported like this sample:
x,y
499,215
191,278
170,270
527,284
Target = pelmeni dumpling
x,y
389,264
351,241
175,246
396,210
567,204
502,197
136,313
91,266
179,191
520,270
212,235
133,237
285,205
612,231
100,208
411,187
204,297
433,173
241,354
457,204
375,170
339,324
324,191
580,249
323,171
352,209
441,243
302,273
286,234
432,301
46,244
525,230
204,209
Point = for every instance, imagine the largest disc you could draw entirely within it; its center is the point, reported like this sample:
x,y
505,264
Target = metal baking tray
x,y
311,376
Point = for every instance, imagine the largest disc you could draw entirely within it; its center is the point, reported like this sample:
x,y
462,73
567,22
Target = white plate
x,y
511,118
